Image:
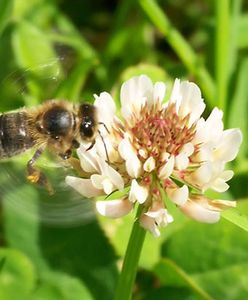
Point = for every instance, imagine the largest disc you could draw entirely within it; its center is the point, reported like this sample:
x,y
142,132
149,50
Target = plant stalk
x,y
131,260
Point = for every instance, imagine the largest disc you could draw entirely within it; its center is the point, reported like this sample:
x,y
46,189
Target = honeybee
x,y
57,125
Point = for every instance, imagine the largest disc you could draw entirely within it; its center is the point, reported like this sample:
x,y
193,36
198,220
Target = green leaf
x,y
81,251
35,55
32,48
239,107
72,86
236,217
236,7
17,276
23,237
57,286
118,231
202,248
242,31
153,71
5,13
181,47
22,8
170,274
227,283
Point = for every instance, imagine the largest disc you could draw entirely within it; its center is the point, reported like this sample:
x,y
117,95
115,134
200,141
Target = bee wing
x,y
64,208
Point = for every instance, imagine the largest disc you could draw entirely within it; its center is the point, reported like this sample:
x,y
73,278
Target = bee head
x,y
88,122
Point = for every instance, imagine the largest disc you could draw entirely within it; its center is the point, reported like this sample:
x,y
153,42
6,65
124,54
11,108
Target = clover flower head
x,y
159,149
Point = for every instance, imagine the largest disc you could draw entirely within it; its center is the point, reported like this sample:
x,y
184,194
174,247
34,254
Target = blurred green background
x,y
55,247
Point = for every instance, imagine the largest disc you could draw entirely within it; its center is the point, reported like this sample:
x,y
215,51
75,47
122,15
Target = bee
x,y
59,126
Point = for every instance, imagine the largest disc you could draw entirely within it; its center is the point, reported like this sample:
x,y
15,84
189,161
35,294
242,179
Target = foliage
x,y
54,247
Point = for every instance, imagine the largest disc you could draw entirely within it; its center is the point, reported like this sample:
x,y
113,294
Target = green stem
x,y
236,10
222,50
181,47
131,260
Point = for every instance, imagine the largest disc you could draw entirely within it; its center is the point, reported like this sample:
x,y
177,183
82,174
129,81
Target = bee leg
x,y
91,145
35,176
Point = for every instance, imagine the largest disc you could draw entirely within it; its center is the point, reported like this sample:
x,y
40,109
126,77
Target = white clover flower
x,y
159,146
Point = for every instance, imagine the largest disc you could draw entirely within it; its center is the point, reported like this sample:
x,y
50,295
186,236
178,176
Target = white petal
x,y
97,180
203,174
109,144
108,186
188,149
167,168
134,94
196,113
228,148
142,153
88,160
114,208
211,129
149,224
134,167
105,108
199,213
149,164
159,92
181,161
219,185
83,186
227,175
178,195
161,216
204,153
137,192
176,97
111,174
192,103
125,148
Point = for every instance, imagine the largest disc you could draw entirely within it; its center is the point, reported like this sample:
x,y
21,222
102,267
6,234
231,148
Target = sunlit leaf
x,y
226,283
239,106
71,88
170,274
237,218
21,8
242,31
118,231
81,251
200,249
56,286
5,13
17,276
153,71
38,65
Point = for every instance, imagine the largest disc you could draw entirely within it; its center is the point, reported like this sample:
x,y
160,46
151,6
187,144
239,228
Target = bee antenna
x,y
105,147
104,125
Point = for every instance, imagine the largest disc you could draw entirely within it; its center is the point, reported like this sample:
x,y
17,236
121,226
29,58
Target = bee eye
x,y
88,122
87,128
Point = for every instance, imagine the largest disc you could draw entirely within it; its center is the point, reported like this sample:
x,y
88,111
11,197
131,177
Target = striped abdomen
x,y
14,134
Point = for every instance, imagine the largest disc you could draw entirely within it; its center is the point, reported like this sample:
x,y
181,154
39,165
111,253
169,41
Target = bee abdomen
x,y
14,134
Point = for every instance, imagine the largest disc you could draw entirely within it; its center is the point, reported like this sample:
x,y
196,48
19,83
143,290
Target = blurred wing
x,y
66,207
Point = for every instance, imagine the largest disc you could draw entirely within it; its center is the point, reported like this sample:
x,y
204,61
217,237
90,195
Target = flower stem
x,y
130,264
222,50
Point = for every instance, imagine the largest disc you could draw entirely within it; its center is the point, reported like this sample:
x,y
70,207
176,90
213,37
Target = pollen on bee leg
x,y
34,177
37,177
